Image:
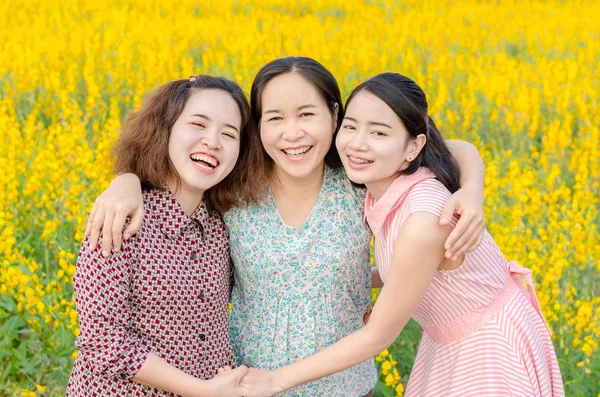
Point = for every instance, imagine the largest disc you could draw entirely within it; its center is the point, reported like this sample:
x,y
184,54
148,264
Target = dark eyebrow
x,y
308,105
203,116
370,122
379,124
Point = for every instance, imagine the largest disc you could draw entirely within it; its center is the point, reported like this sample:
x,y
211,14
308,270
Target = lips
x,y
205,160
298,151
358,160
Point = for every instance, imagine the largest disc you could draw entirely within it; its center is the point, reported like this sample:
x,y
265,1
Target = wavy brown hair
x,y
143,145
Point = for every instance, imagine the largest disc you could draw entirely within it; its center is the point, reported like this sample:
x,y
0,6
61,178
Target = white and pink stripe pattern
x,y
484,333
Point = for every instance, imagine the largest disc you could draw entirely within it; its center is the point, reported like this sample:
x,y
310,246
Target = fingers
x,y
241,371
96,225
467,236
458,231
449,209
134,223
479,233
107,235
88,226
117,227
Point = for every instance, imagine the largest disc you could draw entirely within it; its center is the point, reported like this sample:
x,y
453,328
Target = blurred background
x,y
518,79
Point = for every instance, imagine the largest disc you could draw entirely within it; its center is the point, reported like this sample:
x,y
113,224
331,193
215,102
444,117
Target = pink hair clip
x,y
193,78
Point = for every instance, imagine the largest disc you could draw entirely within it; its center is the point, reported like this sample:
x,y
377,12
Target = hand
x,y
226,383
468,233
367,314
259,383
222,371
109,213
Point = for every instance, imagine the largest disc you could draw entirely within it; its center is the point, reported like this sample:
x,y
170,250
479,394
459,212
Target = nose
x,y
358,142
292,131
210,139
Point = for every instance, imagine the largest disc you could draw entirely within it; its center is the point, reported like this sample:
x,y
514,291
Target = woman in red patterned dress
x,y
153,316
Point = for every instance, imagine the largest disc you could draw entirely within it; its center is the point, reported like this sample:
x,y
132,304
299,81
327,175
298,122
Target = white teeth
x,y
207,159
359,161
204,166
296,152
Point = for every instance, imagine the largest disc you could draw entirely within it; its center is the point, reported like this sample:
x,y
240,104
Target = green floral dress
x,y
300,289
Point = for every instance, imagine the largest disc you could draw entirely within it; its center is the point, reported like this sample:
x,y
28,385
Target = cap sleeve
x,y
428,196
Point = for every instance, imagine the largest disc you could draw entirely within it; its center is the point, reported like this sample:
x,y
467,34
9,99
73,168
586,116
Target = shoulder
x,y
216,222
342,184
428,196
244,213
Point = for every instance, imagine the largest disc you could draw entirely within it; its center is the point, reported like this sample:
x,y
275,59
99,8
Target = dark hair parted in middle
x,y
143,145
409,102
321,79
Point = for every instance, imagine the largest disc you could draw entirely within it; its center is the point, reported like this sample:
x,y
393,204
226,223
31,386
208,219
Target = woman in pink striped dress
x,y
484,332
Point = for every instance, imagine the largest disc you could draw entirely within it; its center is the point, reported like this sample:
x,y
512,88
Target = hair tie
x,y
193,78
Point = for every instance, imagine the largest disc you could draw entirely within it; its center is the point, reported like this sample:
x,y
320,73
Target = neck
x,y
187,197
297,188
379,187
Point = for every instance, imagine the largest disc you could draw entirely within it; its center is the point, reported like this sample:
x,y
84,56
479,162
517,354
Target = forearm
x,y
421,243
348,352
470,163
376,281
127,179
157,373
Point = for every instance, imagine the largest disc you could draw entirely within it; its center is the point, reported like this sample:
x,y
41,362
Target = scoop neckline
x,y
313,210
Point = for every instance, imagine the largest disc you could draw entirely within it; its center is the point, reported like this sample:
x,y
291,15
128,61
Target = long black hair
x,y
409,102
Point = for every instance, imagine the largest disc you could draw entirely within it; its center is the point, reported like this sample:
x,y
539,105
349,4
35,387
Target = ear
x,y
415,146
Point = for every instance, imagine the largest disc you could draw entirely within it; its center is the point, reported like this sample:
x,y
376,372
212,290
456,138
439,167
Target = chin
x,y
300,171
358,179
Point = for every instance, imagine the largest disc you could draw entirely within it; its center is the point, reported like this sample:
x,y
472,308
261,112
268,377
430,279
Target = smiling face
x,y
205,140
296,126
374,144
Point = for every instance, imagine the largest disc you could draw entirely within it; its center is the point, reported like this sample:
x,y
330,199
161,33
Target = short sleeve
x,y
428,196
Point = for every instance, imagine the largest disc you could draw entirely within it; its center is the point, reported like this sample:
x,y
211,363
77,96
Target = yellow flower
x,y
389,380
400,390
385,367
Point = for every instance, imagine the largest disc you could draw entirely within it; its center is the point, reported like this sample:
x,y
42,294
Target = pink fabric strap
x,y
465,325
518,270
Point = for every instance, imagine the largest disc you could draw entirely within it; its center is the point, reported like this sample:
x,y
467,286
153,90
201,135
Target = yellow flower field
x,y
519,79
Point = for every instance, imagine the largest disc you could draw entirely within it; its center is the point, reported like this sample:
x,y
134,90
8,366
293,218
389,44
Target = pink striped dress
x,y
484,332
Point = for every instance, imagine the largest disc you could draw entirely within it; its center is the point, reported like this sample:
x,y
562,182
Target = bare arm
x,y
159,374
420,243
122,198
466,202
471,166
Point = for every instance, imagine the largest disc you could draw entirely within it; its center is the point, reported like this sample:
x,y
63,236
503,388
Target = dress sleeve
x,y
428,196
102,288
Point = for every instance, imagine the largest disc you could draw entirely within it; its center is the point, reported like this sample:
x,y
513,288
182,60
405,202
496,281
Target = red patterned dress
x,y
165,293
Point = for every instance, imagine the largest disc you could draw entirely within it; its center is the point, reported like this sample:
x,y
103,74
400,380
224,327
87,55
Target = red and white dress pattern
x,y
484,332
165,293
